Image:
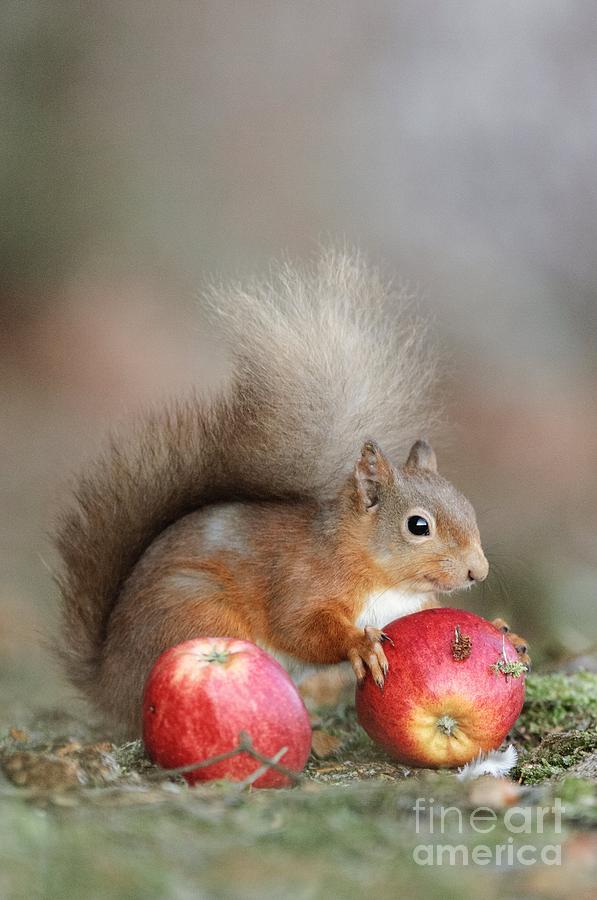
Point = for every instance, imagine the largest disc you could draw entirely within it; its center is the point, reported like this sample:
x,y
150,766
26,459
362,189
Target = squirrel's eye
x,y
418,525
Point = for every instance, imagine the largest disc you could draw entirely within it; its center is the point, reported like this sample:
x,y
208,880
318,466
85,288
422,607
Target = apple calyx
x,y
461,645
447,725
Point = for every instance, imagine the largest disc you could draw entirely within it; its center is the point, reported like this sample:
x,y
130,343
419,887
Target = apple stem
x,y
217,656
447,725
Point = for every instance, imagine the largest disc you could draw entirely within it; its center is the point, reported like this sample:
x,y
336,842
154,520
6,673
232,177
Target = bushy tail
x,y
324,357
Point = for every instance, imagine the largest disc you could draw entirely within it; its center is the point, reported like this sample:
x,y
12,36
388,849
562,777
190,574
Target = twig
x,y
251,779
161,774
245,745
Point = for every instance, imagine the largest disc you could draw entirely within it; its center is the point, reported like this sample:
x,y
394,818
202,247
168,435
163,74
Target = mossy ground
x,y
349,830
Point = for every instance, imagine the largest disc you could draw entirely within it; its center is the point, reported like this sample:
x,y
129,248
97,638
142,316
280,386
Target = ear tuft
x,y
371,471
421,456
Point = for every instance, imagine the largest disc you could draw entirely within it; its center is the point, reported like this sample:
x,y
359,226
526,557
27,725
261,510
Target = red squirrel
x,y
275,512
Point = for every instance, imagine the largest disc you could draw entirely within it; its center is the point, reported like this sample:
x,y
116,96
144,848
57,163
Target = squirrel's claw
x,y
358,666
368,654
522,649
520,644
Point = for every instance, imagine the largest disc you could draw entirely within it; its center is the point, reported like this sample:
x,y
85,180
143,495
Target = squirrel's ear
x,y
421,456
371,471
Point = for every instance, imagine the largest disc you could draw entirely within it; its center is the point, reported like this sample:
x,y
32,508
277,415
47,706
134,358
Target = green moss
x,y
579,797
557,727
555,754
557,702
513,668
131,758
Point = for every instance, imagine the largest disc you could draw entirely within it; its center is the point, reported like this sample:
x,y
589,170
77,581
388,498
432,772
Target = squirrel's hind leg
x,y
144,625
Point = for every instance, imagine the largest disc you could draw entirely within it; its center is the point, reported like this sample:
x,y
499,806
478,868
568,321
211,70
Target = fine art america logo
x,y
516,828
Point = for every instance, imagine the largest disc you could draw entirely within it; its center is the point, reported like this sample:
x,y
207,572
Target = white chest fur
x,y
382,607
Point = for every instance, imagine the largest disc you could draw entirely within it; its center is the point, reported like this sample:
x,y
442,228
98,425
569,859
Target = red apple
x,y
436,709
200,696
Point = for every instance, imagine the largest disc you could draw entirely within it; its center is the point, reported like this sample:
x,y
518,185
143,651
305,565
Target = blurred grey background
x,y
148,145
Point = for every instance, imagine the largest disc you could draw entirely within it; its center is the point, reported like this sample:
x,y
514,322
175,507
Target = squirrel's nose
x,y
478,568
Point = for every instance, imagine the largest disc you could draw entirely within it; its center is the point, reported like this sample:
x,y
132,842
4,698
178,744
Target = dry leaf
x,y
324,744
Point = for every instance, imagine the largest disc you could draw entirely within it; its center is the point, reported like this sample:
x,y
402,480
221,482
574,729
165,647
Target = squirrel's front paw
x,y
520,644
367,653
